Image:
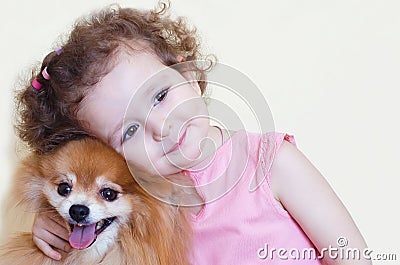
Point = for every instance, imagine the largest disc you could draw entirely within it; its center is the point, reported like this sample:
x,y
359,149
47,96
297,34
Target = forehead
x,y
135,67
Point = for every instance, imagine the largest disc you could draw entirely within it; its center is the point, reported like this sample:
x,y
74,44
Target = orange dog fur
x,y
143,230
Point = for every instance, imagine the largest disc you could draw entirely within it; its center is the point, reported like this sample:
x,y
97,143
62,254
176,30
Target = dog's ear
x,y
29,183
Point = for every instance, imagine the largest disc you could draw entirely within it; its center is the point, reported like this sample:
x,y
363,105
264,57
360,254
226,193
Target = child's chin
x,y
176,163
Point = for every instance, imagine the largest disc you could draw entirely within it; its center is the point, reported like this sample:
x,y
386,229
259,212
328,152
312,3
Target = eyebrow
x,y
115,131
152,87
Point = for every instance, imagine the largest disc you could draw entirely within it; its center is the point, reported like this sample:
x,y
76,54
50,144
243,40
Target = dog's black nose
x,y
79,212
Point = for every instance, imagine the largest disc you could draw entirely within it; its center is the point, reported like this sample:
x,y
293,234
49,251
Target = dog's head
x,y
88,184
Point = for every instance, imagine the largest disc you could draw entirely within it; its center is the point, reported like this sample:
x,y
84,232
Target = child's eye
x,y
130,132
160,96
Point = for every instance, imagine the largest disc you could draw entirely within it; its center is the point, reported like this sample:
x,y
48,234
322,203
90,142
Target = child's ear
x,y
188,75
180,59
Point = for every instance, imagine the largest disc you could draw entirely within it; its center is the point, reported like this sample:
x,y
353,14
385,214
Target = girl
x,y
116,79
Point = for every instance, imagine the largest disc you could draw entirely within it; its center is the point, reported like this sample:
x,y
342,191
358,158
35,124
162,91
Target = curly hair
x,y
47,118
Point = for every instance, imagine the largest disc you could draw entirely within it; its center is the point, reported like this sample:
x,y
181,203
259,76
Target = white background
x,y
328,69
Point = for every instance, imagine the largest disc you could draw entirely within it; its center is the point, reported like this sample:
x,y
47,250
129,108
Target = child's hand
x,y
49,231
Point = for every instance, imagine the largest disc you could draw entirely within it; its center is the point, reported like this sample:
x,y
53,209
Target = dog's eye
x,y
109,194
64,189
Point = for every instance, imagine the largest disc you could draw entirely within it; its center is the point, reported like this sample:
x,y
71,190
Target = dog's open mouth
x,y
83,236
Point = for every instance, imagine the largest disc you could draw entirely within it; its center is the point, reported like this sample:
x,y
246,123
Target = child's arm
x,y
47,231
309,199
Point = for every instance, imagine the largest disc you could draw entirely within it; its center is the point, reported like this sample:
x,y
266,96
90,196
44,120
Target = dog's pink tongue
x,y
82,236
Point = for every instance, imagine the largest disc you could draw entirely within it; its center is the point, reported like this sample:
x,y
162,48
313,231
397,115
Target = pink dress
x,y
242,223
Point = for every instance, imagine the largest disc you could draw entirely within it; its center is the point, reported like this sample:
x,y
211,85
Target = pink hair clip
x,y
36,84
45,74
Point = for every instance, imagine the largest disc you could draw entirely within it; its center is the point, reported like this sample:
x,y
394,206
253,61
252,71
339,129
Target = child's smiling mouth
x,y
178,144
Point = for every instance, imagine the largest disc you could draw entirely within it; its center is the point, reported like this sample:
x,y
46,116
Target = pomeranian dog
x,y
112,220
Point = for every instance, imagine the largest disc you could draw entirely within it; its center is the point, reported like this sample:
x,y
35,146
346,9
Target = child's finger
x,y
48,222
58,230
53,240
57,218
46,248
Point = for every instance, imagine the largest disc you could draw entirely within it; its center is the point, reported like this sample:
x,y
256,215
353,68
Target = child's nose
x,y
159,135
160,131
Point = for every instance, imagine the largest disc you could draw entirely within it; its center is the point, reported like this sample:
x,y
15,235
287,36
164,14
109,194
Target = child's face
x,y
150,113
